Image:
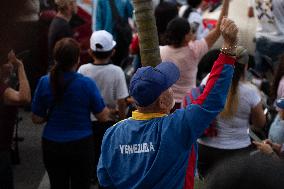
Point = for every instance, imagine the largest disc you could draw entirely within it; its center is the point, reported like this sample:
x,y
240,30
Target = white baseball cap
x,y
102,41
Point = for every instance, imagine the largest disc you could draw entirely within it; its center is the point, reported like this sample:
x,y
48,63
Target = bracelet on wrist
x,y
229,51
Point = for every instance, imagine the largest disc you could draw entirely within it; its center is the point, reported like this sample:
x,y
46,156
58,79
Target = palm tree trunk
x,y
147,32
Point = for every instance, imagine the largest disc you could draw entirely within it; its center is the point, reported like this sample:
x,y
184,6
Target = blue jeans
x,y
267,48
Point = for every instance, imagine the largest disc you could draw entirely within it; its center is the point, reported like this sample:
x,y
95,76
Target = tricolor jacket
x,y
153,151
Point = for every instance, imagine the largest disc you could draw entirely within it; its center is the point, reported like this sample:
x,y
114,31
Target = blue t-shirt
x,y
69,119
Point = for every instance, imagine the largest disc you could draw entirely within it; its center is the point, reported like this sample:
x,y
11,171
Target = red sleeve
x,y
134,46
219,79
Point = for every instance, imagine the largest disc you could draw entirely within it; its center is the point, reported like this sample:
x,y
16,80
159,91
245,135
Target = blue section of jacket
x,y
152,150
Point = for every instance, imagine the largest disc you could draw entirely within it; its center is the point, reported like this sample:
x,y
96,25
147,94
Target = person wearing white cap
x,y
109,78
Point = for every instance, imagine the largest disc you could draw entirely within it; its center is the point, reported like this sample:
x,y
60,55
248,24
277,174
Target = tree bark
x,y
147,32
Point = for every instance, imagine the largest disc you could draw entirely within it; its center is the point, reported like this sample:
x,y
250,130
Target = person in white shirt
x,y
243,104
110,80
270,31
181,49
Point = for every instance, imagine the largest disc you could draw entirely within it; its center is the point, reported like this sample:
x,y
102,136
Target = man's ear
x,y
113,52
162,103
90,52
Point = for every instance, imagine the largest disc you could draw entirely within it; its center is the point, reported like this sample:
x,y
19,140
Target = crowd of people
x,y
179,129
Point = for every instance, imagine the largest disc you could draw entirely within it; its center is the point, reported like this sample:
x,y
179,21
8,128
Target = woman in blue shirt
x,y
64,100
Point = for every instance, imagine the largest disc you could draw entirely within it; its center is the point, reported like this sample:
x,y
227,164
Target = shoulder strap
x,y
114,11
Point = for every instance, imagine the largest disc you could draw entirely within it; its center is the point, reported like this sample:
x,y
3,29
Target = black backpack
x,y
121,27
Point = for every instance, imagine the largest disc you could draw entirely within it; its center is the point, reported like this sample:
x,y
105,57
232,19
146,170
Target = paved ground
x,y
30,174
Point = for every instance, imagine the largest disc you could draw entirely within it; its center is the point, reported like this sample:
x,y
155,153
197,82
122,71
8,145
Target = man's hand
x,y
14,60
229,31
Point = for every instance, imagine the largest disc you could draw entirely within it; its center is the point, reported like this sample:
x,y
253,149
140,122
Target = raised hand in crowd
x,y
14,60
229,31
213,36
23,95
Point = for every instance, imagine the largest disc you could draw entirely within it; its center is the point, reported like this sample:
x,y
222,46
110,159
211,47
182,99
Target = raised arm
x,y
23,95
213,36
250,9
201,111
219,79
214,95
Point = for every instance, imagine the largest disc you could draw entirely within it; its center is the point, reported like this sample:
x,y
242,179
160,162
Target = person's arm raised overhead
x,y
218,84
250,9
200,112
213,36
250,12
23,95
213,98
